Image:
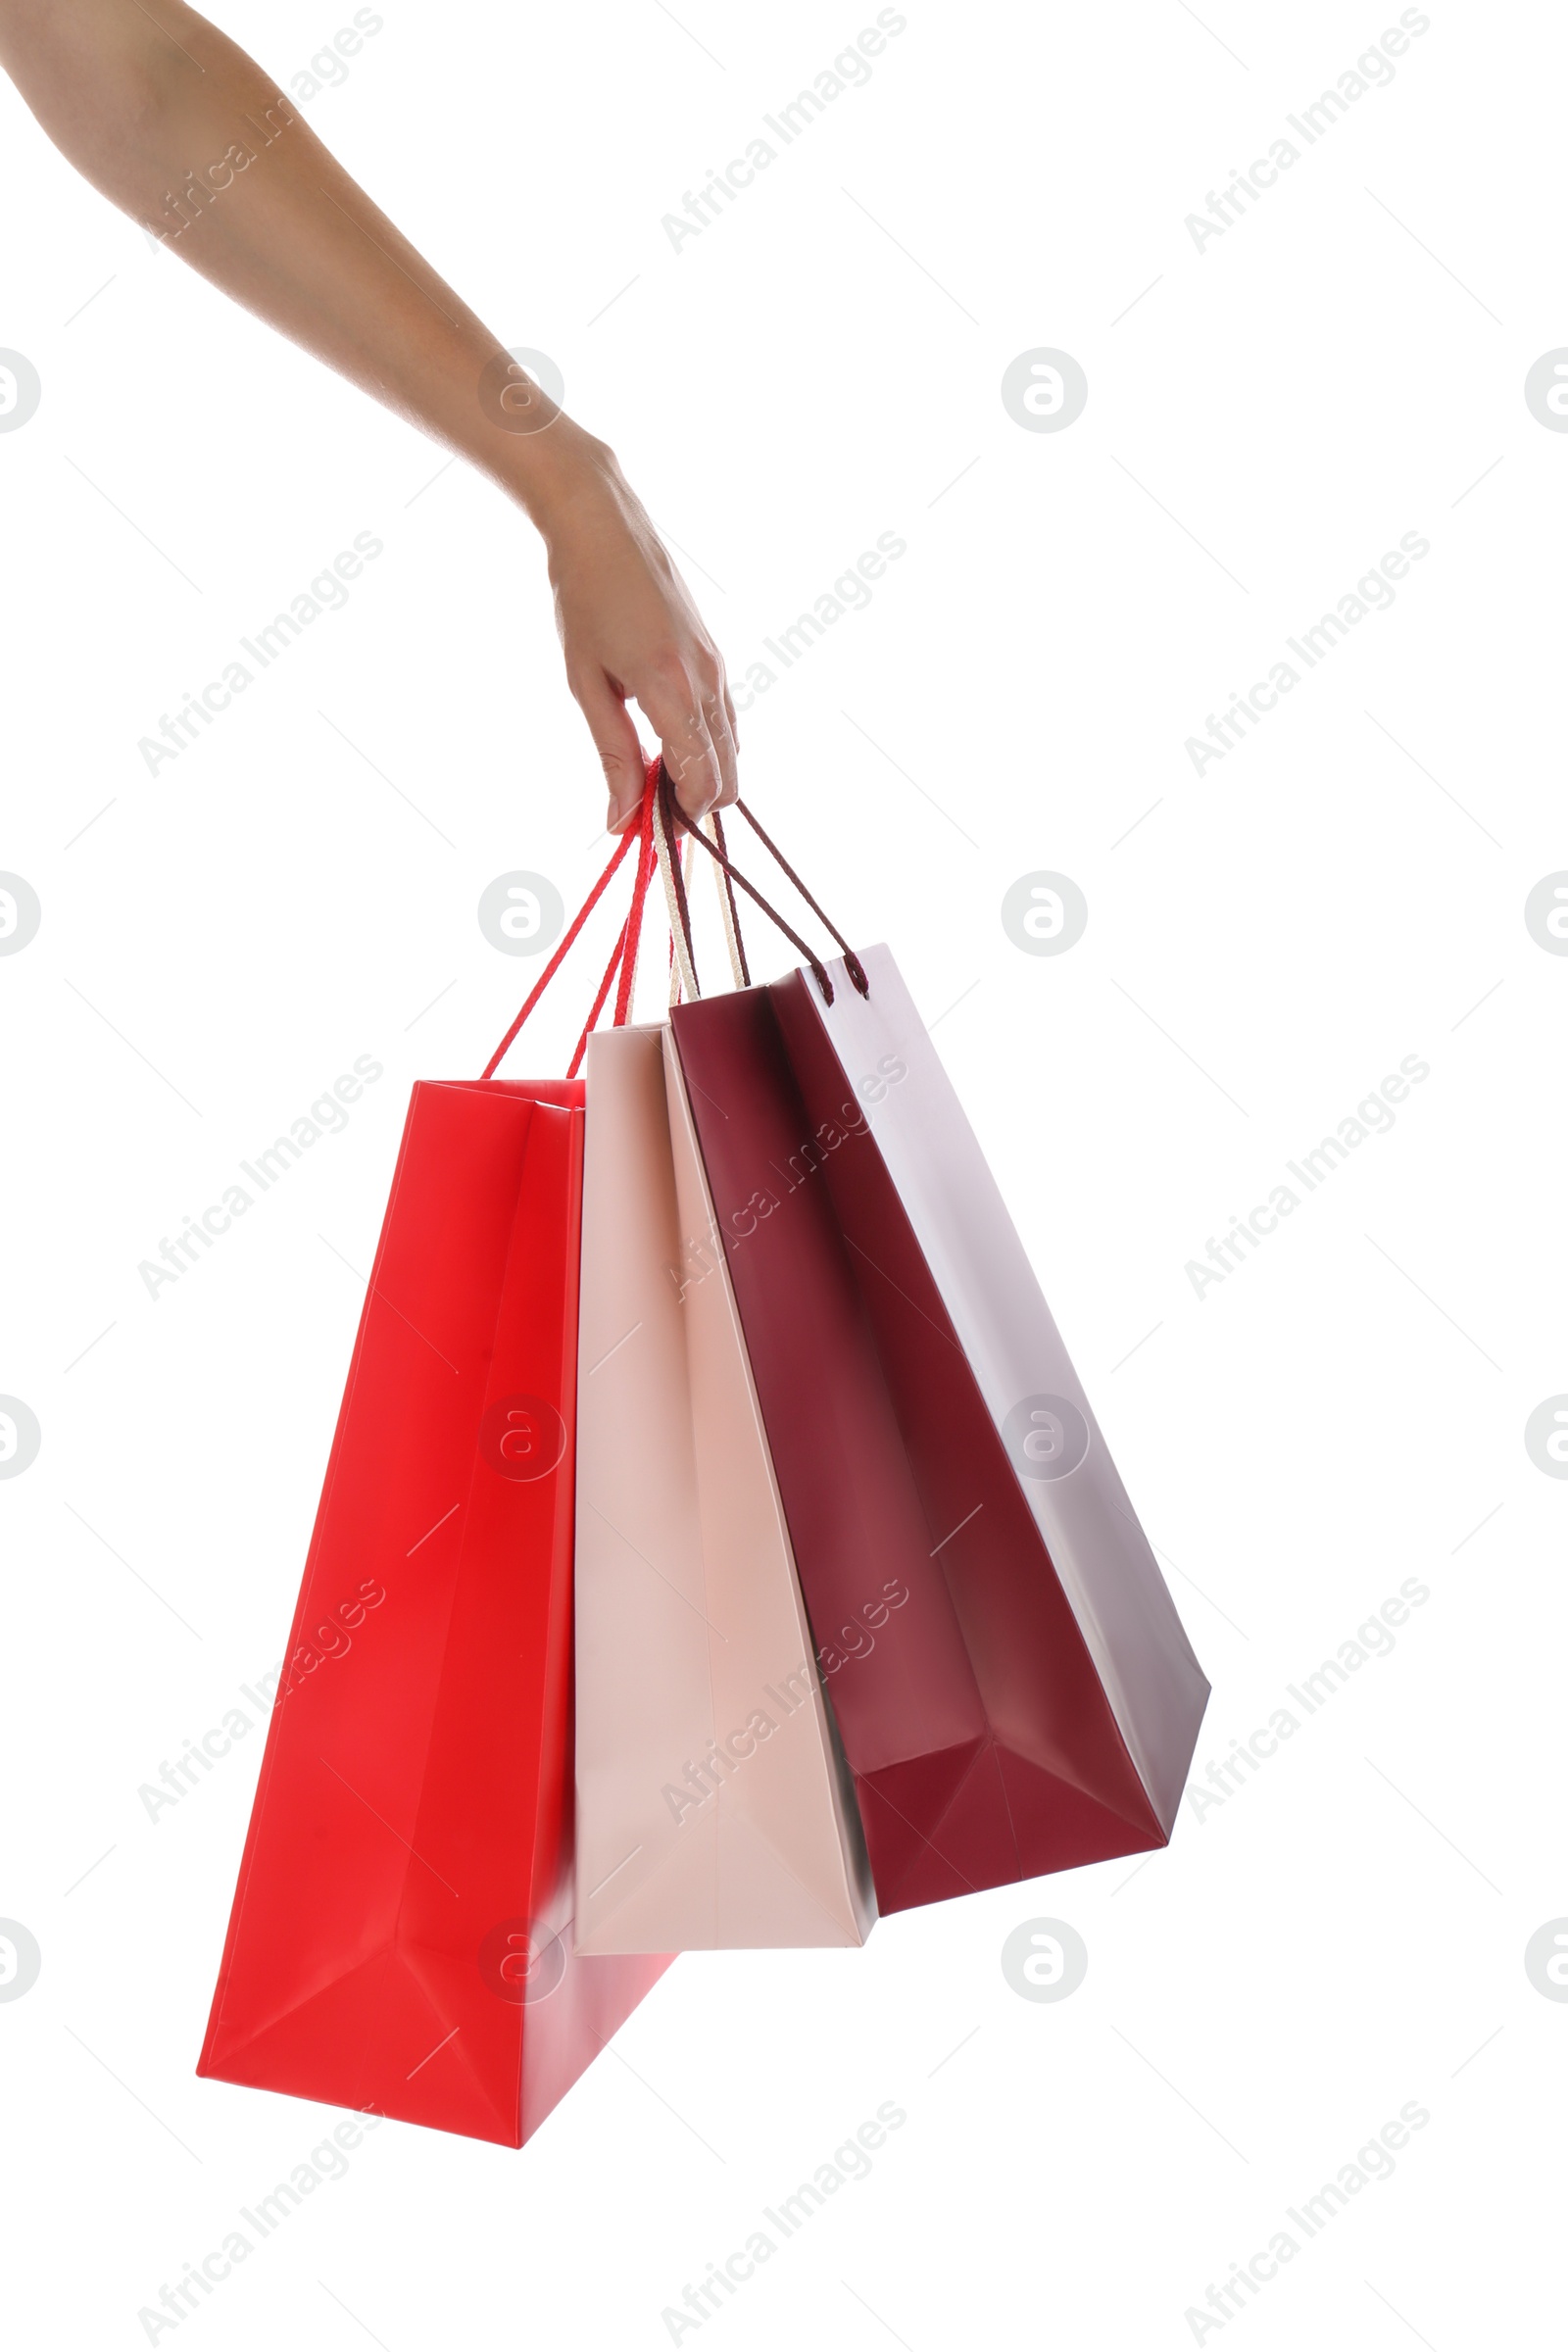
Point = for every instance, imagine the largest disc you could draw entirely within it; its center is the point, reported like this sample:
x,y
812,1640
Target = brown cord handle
x,y
669,813
675,814
734,911
851,961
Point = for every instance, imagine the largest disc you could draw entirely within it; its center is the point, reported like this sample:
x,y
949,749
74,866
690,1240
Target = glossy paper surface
x,y
401,1939
985,1716
954,1220
711,1810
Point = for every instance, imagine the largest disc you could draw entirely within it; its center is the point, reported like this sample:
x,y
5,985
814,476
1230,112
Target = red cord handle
x,y
624,958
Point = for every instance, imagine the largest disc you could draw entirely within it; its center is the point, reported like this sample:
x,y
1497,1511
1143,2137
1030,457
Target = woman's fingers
x,y
620,752
674,710
720,716
696,731
631,633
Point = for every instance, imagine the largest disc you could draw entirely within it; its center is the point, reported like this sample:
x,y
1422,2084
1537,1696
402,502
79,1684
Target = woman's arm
x,y
182,131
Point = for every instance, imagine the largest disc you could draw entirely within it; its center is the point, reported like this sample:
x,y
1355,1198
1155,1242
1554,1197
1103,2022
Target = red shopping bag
x,y
1011,1683
400,1938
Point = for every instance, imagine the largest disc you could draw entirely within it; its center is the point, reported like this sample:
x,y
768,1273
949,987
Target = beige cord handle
x,y
683,970
726,906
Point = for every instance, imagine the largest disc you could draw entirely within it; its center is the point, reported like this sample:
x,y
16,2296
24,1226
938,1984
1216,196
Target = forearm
x,y
183,131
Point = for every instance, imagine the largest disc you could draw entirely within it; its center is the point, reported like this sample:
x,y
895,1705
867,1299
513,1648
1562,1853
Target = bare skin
x,y
173,124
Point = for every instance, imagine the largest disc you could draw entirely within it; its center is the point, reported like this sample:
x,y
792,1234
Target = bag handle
x,y
682,969
657,834
674,817
852,962
623,959
667,847
729,912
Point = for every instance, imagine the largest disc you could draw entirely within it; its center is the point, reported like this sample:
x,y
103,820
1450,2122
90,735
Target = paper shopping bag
x,y
400,1938
1012,1681
711,1807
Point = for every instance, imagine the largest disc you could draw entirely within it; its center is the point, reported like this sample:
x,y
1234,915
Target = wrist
x,y
556,474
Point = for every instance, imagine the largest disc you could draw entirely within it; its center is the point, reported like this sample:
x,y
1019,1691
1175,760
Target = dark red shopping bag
x,y
1009,1678
401,1936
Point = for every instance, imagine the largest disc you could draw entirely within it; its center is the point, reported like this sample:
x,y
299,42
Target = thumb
x,y
619,749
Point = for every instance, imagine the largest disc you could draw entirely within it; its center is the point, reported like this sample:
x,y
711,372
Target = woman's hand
x,y
145,102
630,632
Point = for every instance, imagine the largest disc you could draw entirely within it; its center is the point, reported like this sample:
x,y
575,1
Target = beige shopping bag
x,y
713,1808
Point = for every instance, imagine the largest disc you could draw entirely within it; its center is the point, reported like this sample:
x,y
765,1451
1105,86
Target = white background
x,y
1346,1932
